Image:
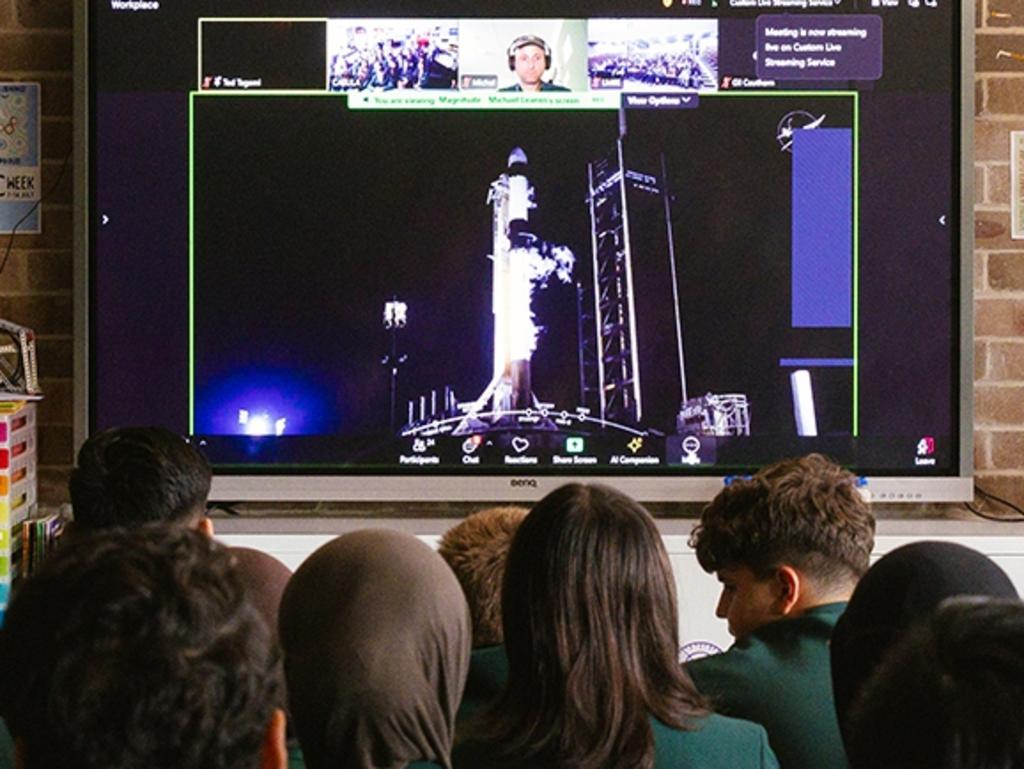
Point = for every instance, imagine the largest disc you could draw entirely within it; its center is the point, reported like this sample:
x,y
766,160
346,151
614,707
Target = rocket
x,y
521,262
511,198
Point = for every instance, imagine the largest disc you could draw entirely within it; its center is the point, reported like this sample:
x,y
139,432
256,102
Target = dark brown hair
x,y
948,696
806,512
591,630
476,550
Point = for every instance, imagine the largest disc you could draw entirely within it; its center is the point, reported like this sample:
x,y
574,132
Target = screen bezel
x,y
501,486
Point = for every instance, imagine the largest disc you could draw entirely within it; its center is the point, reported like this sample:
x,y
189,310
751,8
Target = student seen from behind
x,y
590,622
376,638
127,477
139,649
902,588
476,550
131,475
788,546
949,695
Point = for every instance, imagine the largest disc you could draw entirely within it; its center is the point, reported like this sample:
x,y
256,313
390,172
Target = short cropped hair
x,y
130,475
806,512
950,696
476,550
137,649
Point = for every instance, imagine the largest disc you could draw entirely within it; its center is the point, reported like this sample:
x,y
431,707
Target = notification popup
x,y
819,48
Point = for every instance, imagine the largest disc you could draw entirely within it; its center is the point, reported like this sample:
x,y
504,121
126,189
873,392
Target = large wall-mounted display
x,y
443,250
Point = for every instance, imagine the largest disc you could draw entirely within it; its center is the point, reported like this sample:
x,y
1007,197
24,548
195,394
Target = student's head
x,y
376,639
902,588
529,57
476,550
949,696
138,649
131,475
589,609
264,579
795,535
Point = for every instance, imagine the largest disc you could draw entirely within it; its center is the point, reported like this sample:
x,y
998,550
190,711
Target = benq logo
x,y
518,483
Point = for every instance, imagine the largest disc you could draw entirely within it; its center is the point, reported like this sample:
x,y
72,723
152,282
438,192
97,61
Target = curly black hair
x,y
138,649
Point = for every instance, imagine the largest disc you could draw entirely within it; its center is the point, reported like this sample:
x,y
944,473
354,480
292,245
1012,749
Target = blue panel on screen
x,y
816,362
822,228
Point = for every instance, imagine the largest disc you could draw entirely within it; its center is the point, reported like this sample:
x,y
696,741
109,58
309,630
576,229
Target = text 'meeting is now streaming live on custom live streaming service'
x,y
670,237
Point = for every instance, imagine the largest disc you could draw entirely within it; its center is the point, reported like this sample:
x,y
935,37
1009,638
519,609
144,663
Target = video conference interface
x,y
660,244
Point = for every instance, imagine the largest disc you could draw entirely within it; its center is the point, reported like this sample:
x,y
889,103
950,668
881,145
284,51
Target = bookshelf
x,y
18,489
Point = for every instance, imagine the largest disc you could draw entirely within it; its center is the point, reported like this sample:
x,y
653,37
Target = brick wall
x,y
999,261
35,289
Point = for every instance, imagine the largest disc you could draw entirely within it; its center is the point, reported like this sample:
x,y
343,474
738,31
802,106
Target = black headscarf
x,y
906,585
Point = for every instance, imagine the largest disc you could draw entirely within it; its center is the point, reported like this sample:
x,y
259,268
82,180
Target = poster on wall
x,y
19,158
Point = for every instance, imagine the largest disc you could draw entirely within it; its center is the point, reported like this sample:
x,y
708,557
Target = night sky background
x,y
309,217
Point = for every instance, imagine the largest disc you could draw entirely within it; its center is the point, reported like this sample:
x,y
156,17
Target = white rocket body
x,y
514,331
520,195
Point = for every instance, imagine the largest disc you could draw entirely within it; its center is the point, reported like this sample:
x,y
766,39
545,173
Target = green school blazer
x,y
6,747
296,761
488,672
780,676
719,743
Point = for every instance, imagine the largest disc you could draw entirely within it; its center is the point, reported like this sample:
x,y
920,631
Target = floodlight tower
x,y
395,318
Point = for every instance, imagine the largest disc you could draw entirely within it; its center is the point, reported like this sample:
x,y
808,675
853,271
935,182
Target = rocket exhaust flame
x,y
540,262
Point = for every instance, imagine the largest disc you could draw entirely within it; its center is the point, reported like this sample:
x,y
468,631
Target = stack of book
x,y
38,537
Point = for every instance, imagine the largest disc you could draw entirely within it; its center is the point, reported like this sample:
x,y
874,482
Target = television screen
x,y
460,246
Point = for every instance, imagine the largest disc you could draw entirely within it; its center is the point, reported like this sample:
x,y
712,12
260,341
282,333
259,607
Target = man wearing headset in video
x,y
530,57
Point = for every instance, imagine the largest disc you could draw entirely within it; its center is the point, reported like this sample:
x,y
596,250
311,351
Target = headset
x,y
523,40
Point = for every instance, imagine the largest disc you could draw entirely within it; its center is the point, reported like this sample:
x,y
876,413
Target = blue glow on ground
x,y
266,397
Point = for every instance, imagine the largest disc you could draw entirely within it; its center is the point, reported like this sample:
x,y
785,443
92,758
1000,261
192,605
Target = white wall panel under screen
x,y
697,592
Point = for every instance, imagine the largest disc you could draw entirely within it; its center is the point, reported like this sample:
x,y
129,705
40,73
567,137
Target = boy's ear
x,y
205,526
274,752
789,586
